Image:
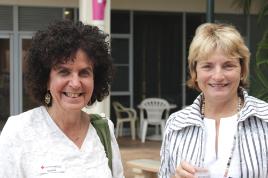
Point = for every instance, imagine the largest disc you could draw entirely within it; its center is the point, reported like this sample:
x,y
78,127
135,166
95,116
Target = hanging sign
x,y
98,9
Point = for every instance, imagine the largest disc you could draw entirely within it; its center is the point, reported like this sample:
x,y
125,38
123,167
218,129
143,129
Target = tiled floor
x,y
136,150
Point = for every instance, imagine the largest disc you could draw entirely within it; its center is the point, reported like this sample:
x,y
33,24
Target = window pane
x,y
120,51
120,22
121,79
4,81
6,18
37,18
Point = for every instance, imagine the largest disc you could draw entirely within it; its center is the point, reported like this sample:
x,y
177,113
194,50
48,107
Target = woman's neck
x,y
66,120
220,109
73,124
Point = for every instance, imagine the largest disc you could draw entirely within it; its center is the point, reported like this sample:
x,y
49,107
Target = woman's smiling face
x,y
71,84
218,76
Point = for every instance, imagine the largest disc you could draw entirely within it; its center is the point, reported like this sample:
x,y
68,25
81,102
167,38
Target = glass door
x,y
5,48
25,44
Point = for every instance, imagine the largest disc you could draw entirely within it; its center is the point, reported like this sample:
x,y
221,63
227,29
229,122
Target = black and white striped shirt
x,y
185,139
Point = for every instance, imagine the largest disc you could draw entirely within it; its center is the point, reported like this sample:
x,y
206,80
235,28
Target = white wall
x,y
160,5
221,6
48,3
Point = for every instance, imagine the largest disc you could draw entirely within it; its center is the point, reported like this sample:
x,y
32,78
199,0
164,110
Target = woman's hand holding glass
x,y
187,170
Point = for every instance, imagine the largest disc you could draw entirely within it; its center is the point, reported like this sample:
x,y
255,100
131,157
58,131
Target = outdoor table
x,y
144,168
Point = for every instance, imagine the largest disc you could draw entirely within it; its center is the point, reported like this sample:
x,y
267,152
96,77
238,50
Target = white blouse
x,y
32,146
217,164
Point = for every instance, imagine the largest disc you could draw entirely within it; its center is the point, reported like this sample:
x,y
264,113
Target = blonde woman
x,y
224,133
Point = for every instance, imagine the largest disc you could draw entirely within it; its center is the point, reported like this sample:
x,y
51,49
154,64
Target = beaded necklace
x,y
234,140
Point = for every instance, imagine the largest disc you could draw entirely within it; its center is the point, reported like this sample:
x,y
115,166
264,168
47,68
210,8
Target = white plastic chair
x,y
124,114
154,108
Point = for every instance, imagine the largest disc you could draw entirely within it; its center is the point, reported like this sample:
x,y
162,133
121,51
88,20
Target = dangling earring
x,y
48,98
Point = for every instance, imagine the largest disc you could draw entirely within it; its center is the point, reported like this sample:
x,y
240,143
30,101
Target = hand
x,y
185,170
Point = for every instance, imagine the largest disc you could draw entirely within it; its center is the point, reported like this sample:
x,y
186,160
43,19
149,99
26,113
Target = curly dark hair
x,y
59,44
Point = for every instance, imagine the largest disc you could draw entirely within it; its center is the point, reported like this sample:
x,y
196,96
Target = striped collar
x,y
253,107
191,114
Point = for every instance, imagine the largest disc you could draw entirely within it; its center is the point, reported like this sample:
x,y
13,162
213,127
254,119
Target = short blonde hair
x,y
210,37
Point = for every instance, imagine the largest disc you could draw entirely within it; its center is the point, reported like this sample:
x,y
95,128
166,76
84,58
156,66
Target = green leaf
x,y
263,12
262,78
262,51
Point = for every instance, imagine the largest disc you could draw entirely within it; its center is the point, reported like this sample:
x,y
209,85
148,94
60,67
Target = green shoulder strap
x,y
102,128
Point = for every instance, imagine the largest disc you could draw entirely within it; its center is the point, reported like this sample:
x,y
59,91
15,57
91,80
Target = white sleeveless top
x,y
217,164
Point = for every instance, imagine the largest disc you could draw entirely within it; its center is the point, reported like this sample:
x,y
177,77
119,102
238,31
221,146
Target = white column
x,y
86,16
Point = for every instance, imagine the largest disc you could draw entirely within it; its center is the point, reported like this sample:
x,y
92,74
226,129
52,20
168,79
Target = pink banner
x,y
98,9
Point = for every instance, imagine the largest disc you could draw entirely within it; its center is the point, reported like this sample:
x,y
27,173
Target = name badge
x,y
47,169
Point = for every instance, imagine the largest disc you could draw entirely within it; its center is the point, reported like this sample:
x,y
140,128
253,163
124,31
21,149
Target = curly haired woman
x,y
68,67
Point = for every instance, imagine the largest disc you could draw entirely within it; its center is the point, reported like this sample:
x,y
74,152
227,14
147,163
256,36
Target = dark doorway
x,y
158,56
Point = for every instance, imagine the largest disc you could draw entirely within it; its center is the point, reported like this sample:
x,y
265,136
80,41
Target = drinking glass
x,y
203,171
202,174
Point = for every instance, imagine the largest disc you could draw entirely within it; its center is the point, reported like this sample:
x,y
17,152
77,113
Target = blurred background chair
x,y
153,111
124,114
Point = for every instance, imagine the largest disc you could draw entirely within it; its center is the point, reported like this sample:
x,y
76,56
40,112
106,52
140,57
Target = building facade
x,y
149,41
